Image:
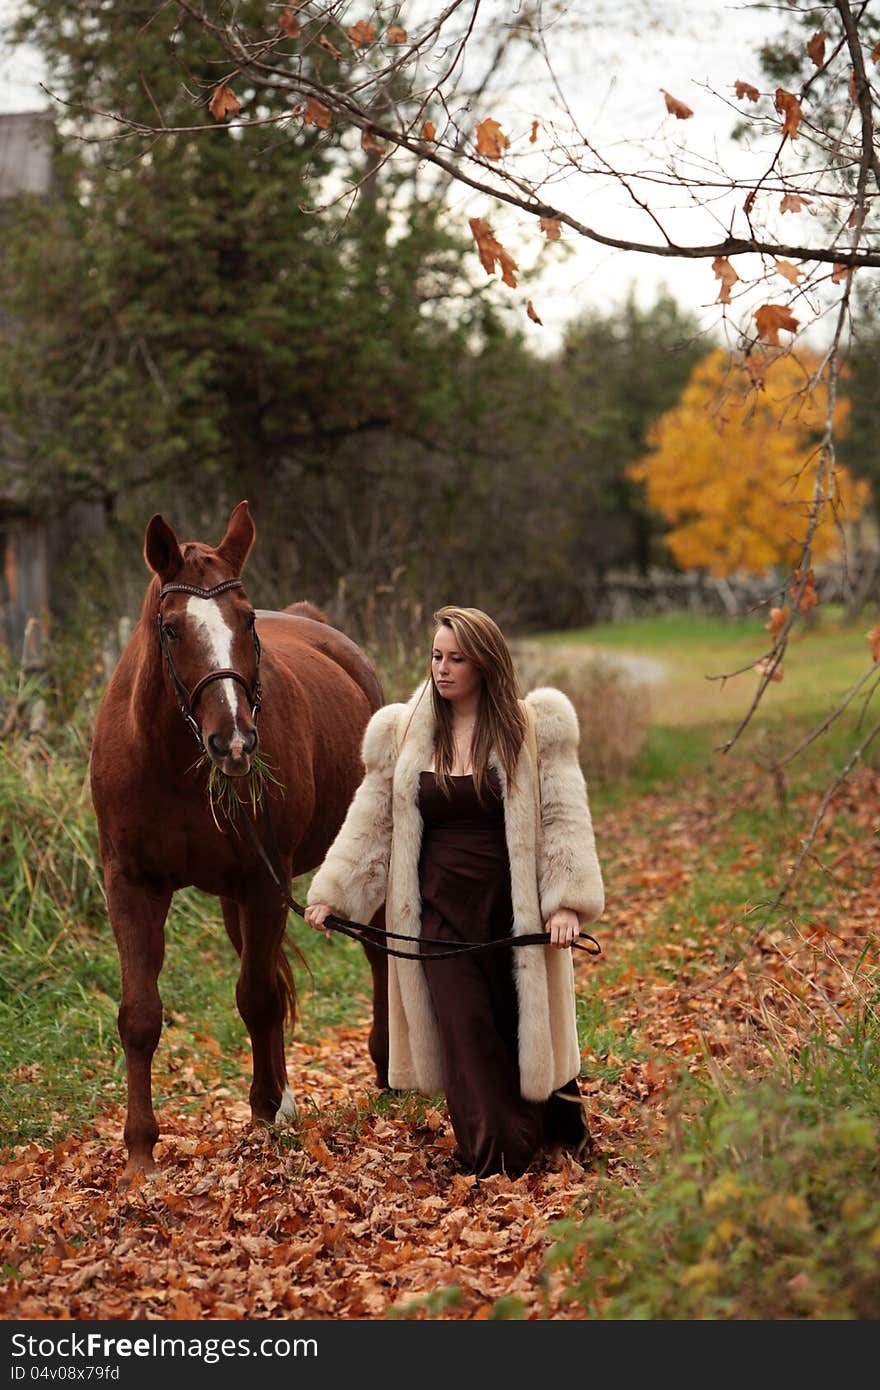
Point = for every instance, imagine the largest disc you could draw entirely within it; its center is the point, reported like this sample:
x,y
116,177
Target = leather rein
x,y
363,932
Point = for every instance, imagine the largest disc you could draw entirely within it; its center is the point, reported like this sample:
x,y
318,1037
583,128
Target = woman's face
x,y
456,678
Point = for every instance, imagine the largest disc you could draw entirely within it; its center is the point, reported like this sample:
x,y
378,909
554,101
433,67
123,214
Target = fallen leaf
x,y
551,227
791,272
396,34
316,114
816,48
793,202
728,277
491,140
789,106
770,318
362,33
223,103
675,107
491,250
530,310
745,89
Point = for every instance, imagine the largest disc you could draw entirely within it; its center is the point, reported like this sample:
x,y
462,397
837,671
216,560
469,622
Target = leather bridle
x,y
187,699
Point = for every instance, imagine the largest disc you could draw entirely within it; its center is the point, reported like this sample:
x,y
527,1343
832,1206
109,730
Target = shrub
x,y
613,705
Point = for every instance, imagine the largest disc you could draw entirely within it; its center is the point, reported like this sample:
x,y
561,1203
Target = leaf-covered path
x,y
358,1210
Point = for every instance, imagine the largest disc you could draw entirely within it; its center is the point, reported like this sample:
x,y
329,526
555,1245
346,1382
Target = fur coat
x,y
375,857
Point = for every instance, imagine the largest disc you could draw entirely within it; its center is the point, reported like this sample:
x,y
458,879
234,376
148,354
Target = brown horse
x,y
195,666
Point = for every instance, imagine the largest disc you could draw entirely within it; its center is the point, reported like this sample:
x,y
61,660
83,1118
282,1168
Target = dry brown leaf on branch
x,y
396,34
551,227
534,135
770,318
789,106
809,598
816,48
793,202
429,131
854,215
324,42
874,641
369,142
766,667
756,364
289,23
223,103
530,310
362,33
840,272
491,250
852,86
745,89
791,272
316,114
491,140
728,277
875,53
778,619
675,107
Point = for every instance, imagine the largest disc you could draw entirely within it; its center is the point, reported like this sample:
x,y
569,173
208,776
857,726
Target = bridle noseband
x,y
186,698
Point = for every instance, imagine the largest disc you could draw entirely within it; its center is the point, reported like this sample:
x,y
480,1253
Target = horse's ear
x,y
161,549
236,544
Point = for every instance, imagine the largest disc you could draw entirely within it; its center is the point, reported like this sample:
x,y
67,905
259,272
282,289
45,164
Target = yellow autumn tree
x,y
727,467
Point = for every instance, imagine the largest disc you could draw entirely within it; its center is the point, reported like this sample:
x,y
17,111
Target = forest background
x,y
191,319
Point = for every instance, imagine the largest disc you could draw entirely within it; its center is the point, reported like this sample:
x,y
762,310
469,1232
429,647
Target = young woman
x,y
465,840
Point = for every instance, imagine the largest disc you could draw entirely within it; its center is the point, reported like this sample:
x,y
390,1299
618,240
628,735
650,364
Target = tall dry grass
x,y
612,704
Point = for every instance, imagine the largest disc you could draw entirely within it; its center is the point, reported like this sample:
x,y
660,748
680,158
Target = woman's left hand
x,y
563,927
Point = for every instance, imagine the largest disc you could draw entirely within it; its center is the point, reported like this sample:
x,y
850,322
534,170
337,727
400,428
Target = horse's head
x,y
206,631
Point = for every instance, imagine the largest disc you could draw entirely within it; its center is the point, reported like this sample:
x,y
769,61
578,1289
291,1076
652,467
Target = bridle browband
x,y
186,698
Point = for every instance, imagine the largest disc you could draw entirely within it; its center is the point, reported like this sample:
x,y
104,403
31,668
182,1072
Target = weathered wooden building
x,y
25,168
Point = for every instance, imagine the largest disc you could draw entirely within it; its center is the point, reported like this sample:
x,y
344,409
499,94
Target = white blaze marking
x,y
217,635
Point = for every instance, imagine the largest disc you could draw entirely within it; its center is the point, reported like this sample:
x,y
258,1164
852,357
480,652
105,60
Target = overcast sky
x,y
612,78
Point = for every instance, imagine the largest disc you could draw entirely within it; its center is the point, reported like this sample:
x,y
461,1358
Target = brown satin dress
x,y
464,875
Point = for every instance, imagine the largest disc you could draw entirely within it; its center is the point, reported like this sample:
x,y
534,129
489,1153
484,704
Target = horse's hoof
x,y
138,1170
287,1112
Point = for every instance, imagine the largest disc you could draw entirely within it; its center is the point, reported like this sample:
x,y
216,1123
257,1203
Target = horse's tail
x,y
305,609
287,983
288,986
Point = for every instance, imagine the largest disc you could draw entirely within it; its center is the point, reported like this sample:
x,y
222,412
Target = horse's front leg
x,y
137,915
265,994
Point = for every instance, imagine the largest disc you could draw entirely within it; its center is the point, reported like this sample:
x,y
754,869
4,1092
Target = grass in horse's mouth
x,y
223,792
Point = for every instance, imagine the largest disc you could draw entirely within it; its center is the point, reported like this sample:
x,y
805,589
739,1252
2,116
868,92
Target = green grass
x,y
821,664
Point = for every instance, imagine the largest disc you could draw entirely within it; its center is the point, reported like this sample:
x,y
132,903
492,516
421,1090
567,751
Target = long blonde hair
x,y
500,720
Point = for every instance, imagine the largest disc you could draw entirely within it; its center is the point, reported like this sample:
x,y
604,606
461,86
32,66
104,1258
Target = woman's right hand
x,y
315,914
